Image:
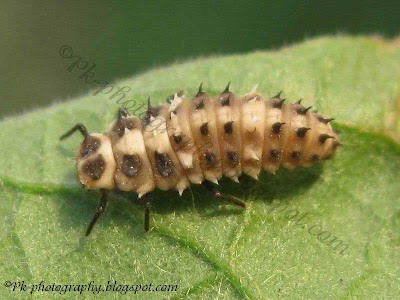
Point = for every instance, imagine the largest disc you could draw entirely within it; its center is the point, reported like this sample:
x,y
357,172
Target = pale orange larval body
x,y
204,138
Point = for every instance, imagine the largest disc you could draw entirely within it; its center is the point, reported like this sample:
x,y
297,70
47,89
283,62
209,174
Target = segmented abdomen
x,y
205,138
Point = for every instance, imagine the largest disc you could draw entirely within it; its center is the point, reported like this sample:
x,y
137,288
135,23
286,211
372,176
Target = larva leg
x,y
100,210
217,194
79,127
147,202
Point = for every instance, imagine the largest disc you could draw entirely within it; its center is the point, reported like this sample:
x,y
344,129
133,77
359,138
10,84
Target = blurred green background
x,y
124,38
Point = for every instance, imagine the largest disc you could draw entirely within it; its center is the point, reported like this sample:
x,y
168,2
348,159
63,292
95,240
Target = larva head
x,y
95,162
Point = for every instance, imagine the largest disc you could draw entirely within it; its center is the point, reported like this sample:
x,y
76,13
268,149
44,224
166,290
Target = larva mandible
x,y
198,141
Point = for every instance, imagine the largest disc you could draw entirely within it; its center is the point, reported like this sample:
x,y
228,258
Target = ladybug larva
x,y
198,141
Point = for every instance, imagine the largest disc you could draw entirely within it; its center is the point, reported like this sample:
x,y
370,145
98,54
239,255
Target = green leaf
x,y
209,249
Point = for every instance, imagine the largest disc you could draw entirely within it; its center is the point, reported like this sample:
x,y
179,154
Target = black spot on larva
x,y
151,112
228,127
226,101
131,165
315,157
324,137
277,103
154,111
276,127
301,132
275,153
211,159
200,104
177,139
204,129
89,146
303,110
232,156
95,168
323,120
164,164
296,155
122,124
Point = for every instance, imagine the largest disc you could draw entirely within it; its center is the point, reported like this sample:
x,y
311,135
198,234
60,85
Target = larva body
x,y
190,141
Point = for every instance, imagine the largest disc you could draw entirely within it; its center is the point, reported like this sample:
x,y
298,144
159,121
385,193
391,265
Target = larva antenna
x,y
79,127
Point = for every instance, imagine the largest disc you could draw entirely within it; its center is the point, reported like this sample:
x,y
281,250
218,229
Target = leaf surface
x,y
289,242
